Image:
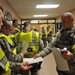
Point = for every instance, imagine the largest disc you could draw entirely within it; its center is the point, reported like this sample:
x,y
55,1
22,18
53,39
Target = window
x,y
51,21
33,21
25,21
42,21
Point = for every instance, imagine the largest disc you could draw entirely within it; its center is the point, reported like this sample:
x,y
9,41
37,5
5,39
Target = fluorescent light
x,y
47,6
40,15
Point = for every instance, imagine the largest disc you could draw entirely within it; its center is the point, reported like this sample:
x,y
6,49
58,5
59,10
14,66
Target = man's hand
x,y
67,55
25,53
25,66
37,55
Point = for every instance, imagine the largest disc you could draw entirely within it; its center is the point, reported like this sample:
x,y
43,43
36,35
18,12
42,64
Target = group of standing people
x,y
10,40
46,35
10,60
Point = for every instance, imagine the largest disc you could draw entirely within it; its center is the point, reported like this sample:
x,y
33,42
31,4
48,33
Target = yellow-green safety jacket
x,y
47,33
32,37
10,42
4,63
12,36
34,44
16,30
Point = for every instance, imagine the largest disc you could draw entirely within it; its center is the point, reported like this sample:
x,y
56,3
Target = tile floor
x,y
48,66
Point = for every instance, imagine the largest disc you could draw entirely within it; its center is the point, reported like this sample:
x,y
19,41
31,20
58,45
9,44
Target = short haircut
x,y
26,24
68,14
6,23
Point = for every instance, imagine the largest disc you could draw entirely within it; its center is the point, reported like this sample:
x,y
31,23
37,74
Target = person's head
x,y
67,20
7,27
27,26
1,16
15,23
35,29
48,27
43,28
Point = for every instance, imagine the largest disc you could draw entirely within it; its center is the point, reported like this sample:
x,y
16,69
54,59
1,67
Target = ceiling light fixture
x,y
47,6
40,15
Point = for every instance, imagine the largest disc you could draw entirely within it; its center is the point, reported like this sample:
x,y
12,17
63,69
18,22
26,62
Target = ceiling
x,y
27,8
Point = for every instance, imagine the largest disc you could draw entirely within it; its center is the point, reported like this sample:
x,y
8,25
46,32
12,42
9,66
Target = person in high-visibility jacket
x,y
5,65
11,48
49,34
7,44
16,50
15,31
35,46
15,25
43,36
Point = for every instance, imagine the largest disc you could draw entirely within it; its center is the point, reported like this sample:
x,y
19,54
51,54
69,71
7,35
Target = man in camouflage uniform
x,y
7,47
44,38
35,46
64,38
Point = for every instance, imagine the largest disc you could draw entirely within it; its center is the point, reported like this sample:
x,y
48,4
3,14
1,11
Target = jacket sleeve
x,y
15,57
41,45
47,50
15,66
9,54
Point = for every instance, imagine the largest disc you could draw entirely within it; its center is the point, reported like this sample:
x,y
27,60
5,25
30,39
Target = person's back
x,y
43,31
33,47
49,34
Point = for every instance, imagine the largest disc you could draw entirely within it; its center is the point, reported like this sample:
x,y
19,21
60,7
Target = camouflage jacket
x,y
13,58
64,38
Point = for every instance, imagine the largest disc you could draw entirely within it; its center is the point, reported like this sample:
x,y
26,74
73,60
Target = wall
x,y
72,11
8,8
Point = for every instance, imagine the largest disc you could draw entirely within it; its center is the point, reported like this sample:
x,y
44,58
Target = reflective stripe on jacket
x,y
31,37
4,63
34,44
10,42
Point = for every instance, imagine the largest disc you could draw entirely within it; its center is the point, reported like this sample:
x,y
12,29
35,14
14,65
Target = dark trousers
x,y
64,73
33,70
22,72
14,72
44,41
